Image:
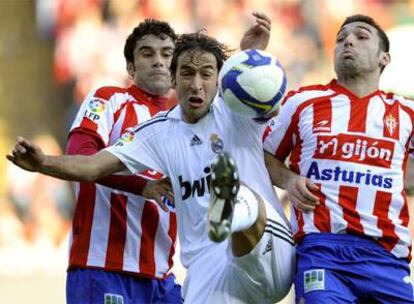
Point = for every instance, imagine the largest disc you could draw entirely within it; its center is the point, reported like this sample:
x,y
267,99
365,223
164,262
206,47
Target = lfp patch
x,y
314,280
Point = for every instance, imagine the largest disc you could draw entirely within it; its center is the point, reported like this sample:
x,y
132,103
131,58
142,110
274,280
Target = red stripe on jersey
x,y
295,156
88,124
266,133
316,87
301,223
381,209
404,215
82,224
322,116
347,200
172,232
321,215
107,92
358,115
286,143
149,226
131,118
117,232
391,121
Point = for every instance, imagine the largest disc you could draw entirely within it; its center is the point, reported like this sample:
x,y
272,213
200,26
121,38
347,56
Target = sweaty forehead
x,y
197,59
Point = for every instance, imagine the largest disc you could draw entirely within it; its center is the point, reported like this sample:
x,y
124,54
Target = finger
x,y
301,206
262,16
20,149
307,195
11,158
265,25
311,185
170,197
158,199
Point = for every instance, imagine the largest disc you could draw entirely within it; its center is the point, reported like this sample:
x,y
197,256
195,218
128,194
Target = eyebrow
x,y
207,66
358,26
147,47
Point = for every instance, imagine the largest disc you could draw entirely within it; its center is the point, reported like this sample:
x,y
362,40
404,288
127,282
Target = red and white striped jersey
x,y
356,151
115,230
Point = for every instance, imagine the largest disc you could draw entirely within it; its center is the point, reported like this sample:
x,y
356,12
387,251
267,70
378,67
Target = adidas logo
x,y
269,247
195,141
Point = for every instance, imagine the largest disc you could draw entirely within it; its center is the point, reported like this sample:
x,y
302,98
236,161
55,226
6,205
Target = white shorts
x,y
263,276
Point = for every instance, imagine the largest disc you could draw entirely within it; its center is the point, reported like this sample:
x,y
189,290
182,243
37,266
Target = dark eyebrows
x,y
358,26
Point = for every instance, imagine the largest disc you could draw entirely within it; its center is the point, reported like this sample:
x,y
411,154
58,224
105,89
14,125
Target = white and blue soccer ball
x,y
252,83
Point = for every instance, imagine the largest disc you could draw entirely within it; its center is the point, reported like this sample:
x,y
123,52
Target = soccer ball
x,y
252,83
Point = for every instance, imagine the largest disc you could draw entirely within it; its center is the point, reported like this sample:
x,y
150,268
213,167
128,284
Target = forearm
x,y
130,183
279,173
72,167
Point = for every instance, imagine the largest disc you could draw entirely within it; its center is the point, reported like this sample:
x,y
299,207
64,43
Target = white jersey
x,y
185,152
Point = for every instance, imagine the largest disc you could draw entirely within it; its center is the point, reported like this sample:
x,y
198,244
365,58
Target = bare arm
x,y
299,188
30,157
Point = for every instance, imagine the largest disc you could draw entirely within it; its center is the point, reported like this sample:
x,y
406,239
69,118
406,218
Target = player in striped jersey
x,y
348,144
253,265
121,244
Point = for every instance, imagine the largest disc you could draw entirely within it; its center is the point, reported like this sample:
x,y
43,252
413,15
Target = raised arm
x,y
258,35
30,157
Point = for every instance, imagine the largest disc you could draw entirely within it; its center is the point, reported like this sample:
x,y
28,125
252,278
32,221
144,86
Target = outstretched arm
x,y
299,188
258,35
30,157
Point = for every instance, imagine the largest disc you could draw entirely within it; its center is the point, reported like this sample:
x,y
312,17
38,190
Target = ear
x,y
385,59
130,69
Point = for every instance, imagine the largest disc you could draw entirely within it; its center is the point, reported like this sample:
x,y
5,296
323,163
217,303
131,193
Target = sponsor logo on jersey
x,y
348,176
314,280
195,141
195,188
126,137
391,123
111,298
95,107
269,247
216,143
322,126
356,149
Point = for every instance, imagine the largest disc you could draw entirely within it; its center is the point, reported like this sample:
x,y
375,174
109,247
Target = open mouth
x,y
195,101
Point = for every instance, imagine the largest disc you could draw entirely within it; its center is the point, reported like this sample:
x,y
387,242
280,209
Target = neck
x,y
359,85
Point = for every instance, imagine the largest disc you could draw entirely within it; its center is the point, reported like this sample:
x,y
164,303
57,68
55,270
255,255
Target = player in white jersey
x,y
255,263
348,143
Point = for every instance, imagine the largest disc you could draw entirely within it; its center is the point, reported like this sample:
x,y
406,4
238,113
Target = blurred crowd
x,y
88,38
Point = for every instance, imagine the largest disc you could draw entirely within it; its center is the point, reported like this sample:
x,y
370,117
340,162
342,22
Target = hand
x,y
258,35
299,190
27,155
156,189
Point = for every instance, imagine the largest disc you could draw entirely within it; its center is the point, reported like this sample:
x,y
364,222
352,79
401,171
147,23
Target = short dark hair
x,y
202,42
154,27
384,41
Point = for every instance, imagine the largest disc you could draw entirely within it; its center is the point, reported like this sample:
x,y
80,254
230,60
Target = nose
x,y
349,40
158,60
196,83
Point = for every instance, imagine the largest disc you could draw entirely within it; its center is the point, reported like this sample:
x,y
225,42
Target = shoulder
x,y
404,101
156,125
306,93
108,92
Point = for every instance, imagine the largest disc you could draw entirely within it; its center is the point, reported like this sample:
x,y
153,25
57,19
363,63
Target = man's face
x,y
357,50
196,83
151,67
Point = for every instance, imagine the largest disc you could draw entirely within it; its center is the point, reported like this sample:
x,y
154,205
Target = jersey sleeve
x,y
95,116
143,147
279,137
